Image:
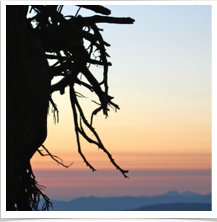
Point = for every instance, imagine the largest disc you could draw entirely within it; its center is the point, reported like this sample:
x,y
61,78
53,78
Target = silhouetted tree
x,y
30,43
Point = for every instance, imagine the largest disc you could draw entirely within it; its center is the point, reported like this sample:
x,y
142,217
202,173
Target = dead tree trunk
x,y
27,98
28,88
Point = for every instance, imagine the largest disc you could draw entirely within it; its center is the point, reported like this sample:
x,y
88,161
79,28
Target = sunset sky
x,y
161,79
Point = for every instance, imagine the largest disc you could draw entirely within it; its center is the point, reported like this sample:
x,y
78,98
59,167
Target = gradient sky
x,y
161,79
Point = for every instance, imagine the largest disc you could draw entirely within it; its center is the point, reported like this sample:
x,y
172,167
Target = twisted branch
x,y
73,103
80,130
55,158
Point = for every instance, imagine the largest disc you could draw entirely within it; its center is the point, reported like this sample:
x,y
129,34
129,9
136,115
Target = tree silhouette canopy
x,y
74,43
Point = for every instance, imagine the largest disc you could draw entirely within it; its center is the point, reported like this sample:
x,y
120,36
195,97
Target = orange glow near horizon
x,y
127,161
151,140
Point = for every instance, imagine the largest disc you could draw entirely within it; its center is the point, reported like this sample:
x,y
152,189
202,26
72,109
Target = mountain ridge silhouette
x,y
123,203
176,207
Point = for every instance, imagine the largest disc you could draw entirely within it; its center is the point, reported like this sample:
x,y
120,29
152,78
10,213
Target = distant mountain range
x,y
176,207
169,201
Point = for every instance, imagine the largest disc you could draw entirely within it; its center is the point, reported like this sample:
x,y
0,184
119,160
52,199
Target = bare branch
x,y
103,57
55,110
99,143
65,81
55,158
72,98
104,19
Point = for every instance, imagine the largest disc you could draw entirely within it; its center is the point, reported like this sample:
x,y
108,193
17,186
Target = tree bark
x,y
27,97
